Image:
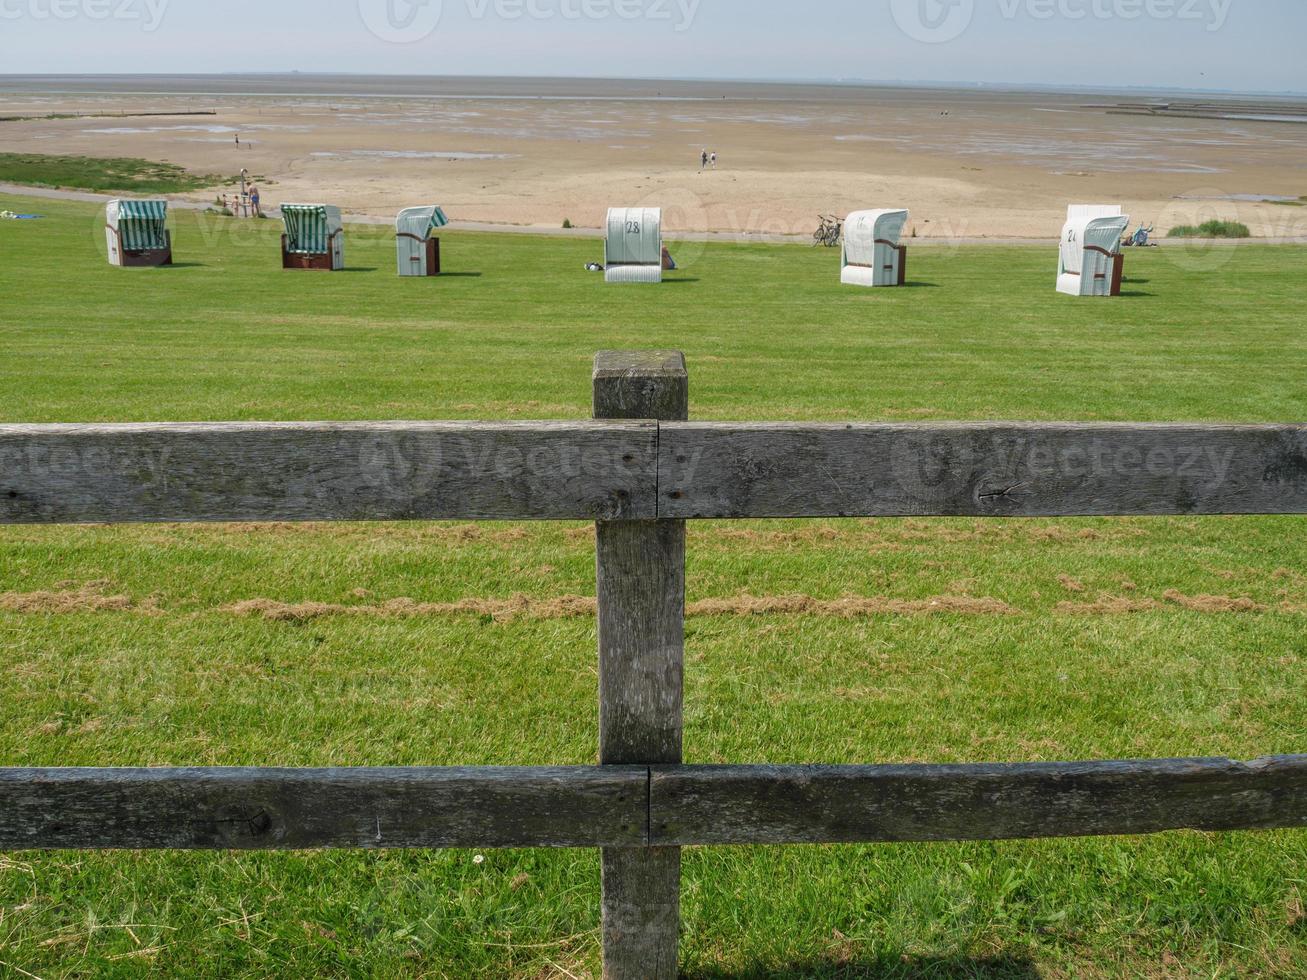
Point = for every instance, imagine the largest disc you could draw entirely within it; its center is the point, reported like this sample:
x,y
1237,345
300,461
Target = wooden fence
x,y
640,471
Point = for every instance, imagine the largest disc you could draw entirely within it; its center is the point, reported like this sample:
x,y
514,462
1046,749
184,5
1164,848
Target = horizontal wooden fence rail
x,y
635,806
303,809
639,471
980,469
711,805
330,471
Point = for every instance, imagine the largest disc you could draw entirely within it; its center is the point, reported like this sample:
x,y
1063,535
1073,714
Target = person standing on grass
x,y
254,201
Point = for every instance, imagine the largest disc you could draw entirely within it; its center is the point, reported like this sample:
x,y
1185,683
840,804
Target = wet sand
x,y
968,163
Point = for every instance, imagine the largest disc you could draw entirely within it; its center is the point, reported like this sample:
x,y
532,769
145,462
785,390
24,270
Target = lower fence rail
x,y
637,806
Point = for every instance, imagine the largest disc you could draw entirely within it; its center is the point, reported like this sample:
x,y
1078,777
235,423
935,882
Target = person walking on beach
x,y
714,159
238,141
703,162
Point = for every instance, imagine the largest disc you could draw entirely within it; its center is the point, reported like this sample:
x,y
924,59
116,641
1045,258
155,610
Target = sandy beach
x,y
970,164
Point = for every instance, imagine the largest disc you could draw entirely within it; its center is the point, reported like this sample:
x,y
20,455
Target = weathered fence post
x,y
641,579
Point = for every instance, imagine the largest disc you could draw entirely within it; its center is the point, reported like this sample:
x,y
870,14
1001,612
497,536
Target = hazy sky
x,y
1234,44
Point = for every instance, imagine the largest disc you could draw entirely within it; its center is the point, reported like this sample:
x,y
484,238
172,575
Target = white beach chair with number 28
x,y
633,251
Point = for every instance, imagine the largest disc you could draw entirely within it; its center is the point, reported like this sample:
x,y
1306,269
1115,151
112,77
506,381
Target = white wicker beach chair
x,y
1090,262
633,251
871,253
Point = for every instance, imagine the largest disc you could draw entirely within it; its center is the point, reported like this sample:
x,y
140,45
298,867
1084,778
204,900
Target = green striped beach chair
x,y
314,238
417,249
135,233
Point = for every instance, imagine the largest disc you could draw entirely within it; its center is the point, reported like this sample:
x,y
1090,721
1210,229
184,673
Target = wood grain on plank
x,y
848,804
293,809
982,470
641,913
615,470
608,806
641,385
387,471
641,587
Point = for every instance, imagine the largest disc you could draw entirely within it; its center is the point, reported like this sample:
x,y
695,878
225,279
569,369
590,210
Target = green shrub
x,y
1211,229
567,222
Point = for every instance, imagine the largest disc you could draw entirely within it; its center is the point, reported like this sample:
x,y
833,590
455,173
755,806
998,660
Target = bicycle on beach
x,y
828,235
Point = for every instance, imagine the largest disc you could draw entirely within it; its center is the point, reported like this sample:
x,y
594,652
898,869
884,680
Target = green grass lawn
x,y
1126,638
101,174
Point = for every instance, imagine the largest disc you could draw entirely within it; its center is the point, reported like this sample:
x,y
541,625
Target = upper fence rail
x,y
388,471
612,471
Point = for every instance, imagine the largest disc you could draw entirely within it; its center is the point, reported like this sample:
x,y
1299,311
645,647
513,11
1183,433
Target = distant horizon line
x,y
761,81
